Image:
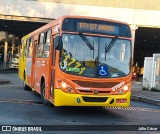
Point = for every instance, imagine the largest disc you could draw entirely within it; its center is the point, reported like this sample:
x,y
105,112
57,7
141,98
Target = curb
x,y
146,100
136,82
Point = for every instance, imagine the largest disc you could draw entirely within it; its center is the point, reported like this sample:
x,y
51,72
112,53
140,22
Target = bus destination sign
x,y
100,28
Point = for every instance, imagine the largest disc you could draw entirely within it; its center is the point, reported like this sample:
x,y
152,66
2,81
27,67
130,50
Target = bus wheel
x,y
25,86
43,96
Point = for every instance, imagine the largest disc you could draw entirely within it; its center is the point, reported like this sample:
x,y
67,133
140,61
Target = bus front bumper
x,y
66,99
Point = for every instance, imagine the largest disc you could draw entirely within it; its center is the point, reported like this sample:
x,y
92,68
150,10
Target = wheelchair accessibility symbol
x,y
102,70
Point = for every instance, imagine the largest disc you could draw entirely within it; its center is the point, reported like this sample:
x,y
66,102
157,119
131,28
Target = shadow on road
x,y
87,112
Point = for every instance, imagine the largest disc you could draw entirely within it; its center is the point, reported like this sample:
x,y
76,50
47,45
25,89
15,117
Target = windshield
x,y
89,56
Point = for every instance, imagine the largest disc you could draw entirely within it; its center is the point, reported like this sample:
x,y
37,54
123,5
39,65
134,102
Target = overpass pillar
x,y
13,43
5,46
133,31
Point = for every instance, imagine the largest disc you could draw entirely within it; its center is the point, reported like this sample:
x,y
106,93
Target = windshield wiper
x,y
86,41
111,44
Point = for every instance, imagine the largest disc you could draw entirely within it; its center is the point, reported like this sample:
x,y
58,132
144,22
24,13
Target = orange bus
x,y
78,61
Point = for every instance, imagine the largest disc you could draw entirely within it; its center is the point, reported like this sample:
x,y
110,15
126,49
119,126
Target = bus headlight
x,y
125,88
66,87
63,84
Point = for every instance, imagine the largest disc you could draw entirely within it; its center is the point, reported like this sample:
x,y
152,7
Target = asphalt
x,y
138,93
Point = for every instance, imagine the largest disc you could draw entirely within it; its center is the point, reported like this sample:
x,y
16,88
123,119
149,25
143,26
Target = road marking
x,y
20,101
135,109
114,108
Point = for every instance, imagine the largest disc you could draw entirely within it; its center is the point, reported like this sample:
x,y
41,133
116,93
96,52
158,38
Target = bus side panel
x,y
41,73
28,70
21,67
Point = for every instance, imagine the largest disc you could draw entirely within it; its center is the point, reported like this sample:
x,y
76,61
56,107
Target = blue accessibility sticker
x,y
102,70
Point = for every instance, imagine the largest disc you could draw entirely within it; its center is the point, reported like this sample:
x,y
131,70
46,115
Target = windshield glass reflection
x,y
78,58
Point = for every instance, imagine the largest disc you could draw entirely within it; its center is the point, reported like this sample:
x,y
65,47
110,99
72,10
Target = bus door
x,y
54,32
42,60
29,49
52,69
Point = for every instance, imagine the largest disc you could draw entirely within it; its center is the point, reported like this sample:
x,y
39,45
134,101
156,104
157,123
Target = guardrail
x,y
4,65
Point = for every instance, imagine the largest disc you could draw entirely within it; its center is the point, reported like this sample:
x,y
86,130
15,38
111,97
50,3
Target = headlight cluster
x,y
125,88
66,87
121,90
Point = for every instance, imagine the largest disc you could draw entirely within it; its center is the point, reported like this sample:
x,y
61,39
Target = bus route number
x,y
95,27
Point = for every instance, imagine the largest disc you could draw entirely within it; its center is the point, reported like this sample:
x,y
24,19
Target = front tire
x,y
43,95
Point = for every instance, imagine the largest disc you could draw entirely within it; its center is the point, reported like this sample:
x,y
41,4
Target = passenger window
x,y
27,48
30,47
39,50
47,44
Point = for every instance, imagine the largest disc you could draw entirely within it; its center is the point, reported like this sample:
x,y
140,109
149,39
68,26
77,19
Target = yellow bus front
x,y
93,64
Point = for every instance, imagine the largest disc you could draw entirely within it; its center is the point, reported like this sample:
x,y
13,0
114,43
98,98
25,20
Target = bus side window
x,y
47,43
39,49
30,49
26,48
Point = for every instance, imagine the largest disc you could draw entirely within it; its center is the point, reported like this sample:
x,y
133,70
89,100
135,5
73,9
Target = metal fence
x,y
4,65
151,76
147,79
156,71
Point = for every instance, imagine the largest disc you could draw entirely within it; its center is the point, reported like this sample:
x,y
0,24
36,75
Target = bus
x,y
78,61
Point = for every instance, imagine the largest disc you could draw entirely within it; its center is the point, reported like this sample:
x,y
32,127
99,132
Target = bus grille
x,y
92,92
95,84
95,99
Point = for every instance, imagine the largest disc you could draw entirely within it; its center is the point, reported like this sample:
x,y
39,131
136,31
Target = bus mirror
x,y
58,42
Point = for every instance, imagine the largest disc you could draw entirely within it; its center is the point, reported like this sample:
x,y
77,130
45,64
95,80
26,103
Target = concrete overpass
x,y
134,12
142,15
